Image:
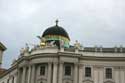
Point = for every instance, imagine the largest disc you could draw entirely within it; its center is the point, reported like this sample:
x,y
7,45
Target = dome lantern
x,y
57,22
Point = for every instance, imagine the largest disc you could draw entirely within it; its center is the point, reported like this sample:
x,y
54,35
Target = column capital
x,y
76,64
80,65
61,62
98,66
55,63
49,63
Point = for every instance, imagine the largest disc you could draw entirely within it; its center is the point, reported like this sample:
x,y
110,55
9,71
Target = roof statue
x,y
25,49
77,45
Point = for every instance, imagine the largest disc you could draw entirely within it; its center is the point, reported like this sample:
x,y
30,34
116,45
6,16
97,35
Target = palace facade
x,y
54,60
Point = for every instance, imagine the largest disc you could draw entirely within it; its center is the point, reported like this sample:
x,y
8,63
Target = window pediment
x,y
109,81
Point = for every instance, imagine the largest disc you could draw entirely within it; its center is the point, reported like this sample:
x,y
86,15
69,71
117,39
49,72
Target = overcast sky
x,y
91,22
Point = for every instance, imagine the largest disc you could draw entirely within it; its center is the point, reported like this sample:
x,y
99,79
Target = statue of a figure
x,y
52,43
61,43
22,51
77,45
26,48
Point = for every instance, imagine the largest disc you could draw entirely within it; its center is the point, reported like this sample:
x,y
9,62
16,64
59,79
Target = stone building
x,y
54,60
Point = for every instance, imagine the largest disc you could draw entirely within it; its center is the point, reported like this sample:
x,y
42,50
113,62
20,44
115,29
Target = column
x,y
60,72
49,72
75,73
29,74
18,76
24,75
55,73
80,73
33,74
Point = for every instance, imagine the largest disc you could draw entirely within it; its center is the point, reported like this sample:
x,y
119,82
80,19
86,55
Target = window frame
x,y
90,72
72,70
65,72
45,68
105,74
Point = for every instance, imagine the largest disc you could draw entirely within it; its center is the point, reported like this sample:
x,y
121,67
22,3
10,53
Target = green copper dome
x,y
56,34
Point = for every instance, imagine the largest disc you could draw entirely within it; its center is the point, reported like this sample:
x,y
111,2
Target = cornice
x,y
97,58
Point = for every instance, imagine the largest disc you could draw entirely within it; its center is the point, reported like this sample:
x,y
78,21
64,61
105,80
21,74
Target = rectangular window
x,y
42,70
68,70
108,73
87,71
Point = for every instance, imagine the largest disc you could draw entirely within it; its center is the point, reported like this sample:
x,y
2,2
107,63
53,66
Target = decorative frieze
x,y
119,67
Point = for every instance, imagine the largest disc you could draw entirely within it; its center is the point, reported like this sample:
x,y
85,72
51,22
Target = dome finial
x,y
57,22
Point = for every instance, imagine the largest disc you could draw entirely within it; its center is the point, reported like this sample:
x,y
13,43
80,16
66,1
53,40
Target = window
x,y
108,73
87,71
42,70
68,70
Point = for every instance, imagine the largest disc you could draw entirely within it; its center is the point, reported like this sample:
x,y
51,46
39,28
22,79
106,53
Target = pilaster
x,y
24,75
60,72
29,73
80,73
18,76
75,73
49,72
33,74
55,72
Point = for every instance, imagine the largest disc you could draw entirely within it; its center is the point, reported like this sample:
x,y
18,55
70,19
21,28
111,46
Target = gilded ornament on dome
x,y
43,42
